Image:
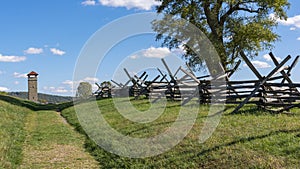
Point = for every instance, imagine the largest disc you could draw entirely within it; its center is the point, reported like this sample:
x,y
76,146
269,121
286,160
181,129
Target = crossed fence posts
x,y
264,91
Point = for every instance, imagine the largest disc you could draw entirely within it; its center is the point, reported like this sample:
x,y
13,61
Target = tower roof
x,y
32,73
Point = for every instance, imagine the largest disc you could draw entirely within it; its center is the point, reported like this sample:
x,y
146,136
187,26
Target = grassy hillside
x,y
12,134
31,138
251,139
35,136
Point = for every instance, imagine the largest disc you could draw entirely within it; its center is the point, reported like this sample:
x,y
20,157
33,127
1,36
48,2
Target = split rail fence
x,y
275,92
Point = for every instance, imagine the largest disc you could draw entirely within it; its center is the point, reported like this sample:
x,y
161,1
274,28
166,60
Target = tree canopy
x,y
231,25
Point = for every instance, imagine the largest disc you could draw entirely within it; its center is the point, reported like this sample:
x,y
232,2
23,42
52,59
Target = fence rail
x,y
275,91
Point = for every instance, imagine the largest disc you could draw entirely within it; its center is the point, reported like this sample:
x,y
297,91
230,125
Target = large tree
x,y
231,25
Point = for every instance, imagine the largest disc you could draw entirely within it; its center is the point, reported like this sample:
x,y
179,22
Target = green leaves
x,y
231,25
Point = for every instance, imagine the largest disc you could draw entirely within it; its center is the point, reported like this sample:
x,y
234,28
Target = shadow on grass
x,y
247,139
251,109
35,106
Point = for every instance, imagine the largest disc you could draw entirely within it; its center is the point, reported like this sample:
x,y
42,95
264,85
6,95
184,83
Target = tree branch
x,y
217,6
249,10
235,8
228,13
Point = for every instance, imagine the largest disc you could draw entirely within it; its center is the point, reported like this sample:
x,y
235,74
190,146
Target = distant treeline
x,y
43,98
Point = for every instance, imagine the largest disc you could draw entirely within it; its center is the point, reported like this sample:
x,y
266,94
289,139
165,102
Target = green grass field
x,y
12,134
35,136
250,139
39,139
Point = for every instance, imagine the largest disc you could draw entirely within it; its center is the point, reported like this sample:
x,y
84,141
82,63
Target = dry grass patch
x,y
58,156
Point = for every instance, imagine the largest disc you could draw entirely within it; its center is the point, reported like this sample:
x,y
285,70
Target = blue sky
x,y
47,37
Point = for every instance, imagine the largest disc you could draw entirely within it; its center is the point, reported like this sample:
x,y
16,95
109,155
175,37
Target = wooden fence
x,y
275,91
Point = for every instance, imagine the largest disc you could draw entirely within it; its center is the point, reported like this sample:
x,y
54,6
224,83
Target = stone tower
x,y
32,86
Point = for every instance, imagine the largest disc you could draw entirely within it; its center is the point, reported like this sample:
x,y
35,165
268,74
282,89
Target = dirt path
x,y
52,143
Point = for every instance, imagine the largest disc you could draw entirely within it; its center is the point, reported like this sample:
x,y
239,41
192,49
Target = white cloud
x,y
291,21
298,38
68,82
57,51
153,52
12,58
89,3
33,51
160,52
74,84
71,84
4,89
20,75
268,58
2,72
156,52
292,28
87,79
129,4
17,82
134,56
259,64
91,79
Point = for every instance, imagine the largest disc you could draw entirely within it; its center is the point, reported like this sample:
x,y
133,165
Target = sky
x,y
48,37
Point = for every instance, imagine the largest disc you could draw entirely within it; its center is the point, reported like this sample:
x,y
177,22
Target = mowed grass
x,y
12,134
52,143
250,139
39,139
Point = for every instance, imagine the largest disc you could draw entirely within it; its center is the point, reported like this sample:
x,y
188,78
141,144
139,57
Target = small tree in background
x,y
84,90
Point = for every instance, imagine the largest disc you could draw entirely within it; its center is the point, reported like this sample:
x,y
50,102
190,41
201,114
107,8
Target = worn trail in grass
x,y
51,143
